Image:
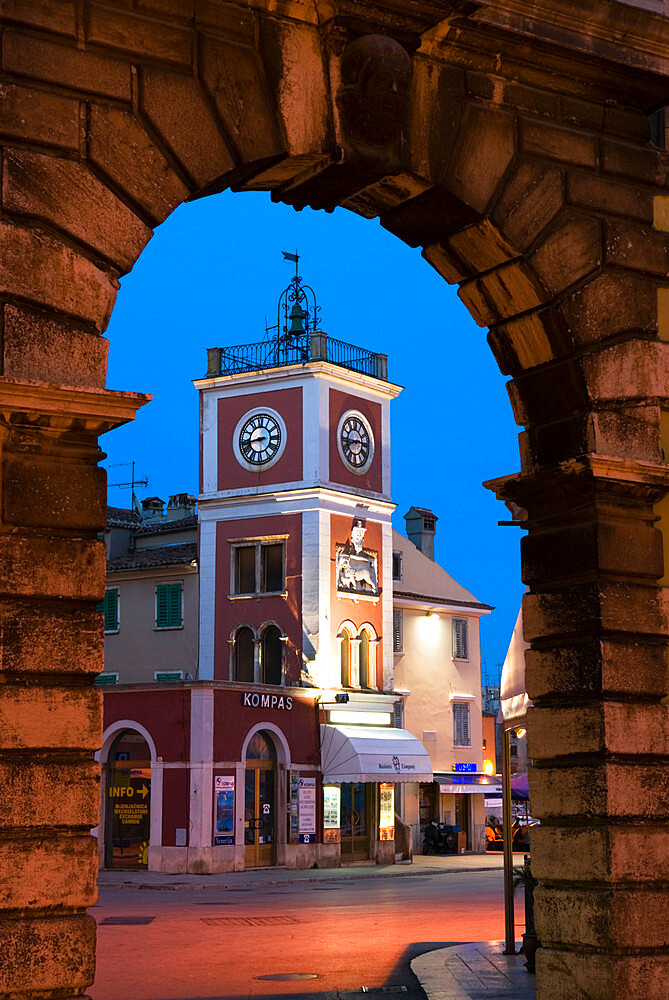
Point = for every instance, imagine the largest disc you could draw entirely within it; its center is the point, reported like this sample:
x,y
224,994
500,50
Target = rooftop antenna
x,y
128,486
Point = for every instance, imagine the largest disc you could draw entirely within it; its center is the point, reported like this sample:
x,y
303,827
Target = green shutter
x,y
168,605
110,608
104,679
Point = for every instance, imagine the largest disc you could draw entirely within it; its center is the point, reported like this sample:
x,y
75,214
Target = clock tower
x,y
294,510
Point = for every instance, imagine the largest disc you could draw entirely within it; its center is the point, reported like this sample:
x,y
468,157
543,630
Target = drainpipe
x,y
509,928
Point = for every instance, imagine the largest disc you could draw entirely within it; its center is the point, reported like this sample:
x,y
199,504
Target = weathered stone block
x,y
601,792
570,253
512,289
46,794
55,953
474,177
49,351
482,247
68,195
143,36
437,100
566,975
636,162
637,369
474,297
594,667
62,639
593,608
428,218
61,18
533,196
533,395
234,78
119,145
614,854
605,920
69,67
52,567
45,717
554,143
47,119
632,432
49,872
612,197
39,492
604,727
39,268
443,261
178,111
638,248
609,305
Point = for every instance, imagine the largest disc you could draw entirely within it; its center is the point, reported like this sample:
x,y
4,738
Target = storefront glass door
x,y
260,803
355,821
128,803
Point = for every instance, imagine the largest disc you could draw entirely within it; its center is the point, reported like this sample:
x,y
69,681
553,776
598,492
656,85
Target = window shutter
x,y
461,735
460,643
110,608
168,605
398,637
398,714
397,566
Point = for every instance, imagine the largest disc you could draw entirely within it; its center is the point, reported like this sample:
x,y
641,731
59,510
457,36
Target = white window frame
x,y
257,543
460,705
454,623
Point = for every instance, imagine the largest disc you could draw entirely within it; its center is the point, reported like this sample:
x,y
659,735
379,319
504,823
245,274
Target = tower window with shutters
x,y
461,730
460,639
169,605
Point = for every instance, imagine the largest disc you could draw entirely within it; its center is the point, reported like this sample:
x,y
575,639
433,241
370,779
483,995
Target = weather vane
x,y
297,312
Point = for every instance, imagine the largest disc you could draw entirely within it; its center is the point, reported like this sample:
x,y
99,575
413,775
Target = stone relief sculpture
x,y
356,568
373,100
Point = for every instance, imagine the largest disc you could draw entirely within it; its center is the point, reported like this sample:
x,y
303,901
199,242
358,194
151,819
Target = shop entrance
x,y
260,802
462,811
128,802
356,815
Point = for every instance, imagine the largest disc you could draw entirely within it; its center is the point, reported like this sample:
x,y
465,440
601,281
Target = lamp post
x,y
509,928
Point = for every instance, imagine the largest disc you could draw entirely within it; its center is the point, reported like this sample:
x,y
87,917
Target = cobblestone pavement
x,y
474,972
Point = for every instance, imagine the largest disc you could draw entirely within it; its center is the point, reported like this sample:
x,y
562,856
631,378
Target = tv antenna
x,y
128,486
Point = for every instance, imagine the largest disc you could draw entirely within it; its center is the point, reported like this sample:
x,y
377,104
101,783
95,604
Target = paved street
x,y
353,938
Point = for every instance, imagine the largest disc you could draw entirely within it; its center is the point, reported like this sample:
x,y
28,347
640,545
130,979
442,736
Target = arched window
x,y
363,653
243,655
261,747
271,656
345,657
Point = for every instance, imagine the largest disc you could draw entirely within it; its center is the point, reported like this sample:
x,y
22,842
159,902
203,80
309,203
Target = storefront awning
x,y
373,753
469,783
513,693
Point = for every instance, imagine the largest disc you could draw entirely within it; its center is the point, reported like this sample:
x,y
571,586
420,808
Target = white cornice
x,y
297,374
438,604
296,498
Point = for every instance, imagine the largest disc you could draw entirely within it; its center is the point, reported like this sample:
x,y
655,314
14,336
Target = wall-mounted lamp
x,y
520,733
341,698
488,767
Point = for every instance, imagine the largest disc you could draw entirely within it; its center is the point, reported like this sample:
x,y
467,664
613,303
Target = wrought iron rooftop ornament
x,y
297,311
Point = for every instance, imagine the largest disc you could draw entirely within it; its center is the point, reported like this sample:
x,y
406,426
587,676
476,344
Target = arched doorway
x,y
260,801
128,802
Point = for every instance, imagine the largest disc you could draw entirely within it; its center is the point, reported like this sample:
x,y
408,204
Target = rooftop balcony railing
x,y
292,350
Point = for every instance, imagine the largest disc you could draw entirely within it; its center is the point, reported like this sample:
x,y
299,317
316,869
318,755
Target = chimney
x,y
152,509
421,529
181,505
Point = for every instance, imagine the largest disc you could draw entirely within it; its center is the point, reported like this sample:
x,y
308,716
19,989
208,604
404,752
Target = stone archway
x,y
515,151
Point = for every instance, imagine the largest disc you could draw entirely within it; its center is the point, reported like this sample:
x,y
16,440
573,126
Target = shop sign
x,y
397,765
465,767
387,812
307,800
224,810
251,699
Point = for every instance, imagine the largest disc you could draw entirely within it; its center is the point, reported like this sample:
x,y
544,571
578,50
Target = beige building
x,y
438,671
151,601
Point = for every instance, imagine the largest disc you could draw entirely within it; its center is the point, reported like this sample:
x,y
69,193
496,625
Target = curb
x,y
204,887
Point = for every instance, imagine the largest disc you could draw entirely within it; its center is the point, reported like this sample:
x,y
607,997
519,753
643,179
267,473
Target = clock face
x,y
260,439
356,441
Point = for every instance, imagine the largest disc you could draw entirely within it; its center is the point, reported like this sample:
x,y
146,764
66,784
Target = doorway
x,y
260,802
462,811
128,802
356,803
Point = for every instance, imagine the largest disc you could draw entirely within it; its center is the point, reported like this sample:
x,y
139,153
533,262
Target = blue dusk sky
x,y
211,275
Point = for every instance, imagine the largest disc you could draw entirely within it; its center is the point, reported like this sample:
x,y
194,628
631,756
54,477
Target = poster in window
x,y
331,807
307,799
294,803
387,812
224,810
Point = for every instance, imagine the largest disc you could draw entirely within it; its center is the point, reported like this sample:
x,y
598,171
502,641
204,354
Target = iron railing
x,y
291,350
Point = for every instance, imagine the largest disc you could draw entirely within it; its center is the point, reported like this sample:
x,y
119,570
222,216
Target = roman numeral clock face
x,y
259,440
355,441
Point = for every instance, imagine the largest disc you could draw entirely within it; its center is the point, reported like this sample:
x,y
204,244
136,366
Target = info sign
x,y
307,799
224,809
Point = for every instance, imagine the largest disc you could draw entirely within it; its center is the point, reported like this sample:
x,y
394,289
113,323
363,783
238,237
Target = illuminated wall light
x,y
351,717
488,767
520,733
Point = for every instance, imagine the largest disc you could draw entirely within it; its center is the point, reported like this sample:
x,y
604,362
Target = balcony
x,y
294,350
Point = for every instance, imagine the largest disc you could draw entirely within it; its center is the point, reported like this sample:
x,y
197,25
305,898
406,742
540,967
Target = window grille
x,y
398,630
110,608
461,732
168,605
460,639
